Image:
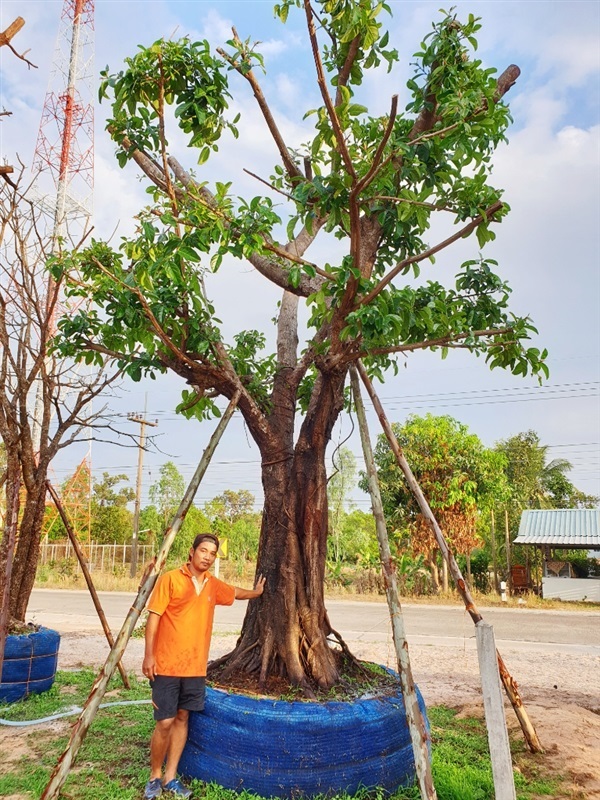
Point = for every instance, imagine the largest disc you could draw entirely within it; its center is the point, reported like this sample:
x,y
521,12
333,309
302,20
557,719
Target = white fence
x,y
100,557
571,589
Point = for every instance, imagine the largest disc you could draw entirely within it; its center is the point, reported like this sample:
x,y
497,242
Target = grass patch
x,y
112,764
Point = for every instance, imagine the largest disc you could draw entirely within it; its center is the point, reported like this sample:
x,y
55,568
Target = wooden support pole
x,y
88,578
509,683
416,724
80,728
502,771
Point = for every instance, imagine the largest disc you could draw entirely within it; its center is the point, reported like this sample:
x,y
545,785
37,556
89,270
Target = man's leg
x,y
176,743
159,745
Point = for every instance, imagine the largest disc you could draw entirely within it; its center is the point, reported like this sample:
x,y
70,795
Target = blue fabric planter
x,y
284,749
29,664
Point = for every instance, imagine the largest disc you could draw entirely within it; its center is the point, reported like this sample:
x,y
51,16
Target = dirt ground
x,y
561,694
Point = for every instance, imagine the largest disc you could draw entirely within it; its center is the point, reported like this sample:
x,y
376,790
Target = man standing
x,y
178,631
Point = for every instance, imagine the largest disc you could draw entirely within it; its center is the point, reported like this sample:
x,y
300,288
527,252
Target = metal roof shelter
x,y
565,527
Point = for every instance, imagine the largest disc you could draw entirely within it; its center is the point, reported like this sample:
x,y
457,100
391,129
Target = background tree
x,y
373,186
230,505
28,306
458,475
536,482
106,494
232,517
167,492
339,488
359,538
112,521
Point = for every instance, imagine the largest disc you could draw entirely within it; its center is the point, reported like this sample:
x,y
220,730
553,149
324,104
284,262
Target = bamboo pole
x,y
416,723
510,685
80,728
87,576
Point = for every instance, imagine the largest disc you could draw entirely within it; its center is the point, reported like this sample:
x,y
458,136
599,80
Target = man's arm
x,y
249,594
149,663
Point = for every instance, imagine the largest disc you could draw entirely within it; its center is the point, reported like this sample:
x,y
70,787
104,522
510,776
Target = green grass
x,y
112,763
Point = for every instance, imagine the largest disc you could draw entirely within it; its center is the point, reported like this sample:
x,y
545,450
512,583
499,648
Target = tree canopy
x,y
375,182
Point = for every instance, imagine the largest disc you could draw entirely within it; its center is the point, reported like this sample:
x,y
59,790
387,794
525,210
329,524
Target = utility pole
x,y
142,421
493,543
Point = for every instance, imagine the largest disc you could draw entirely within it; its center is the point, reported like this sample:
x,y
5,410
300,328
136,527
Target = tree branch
x,y
345,71
444,341
292,170
268,268
325,93
8,34
366,180
487,214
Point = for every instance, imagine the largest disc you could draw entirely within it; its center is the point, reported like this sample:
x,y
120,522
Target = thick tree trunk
x,y
286,631
26,552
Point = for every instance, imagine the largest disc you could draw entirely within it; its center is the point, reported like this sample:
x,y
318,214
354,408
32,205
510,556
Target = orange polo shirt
x,y
186,609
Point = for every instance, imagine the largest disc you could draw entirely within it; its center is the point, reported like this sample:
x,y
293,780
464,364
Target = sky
x,y
548,248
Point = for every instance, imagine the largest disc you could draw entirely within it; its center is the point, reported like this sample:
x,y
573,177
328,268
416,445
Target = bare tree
x,y
29,302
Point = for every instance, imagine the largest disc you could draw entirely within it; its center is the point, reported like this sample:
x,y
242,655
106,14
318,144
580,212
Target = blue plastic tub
x,y
29,666
284,749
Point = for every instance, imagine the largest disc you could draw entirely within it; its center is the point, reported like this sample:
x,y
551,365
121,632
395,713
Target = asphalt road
x,y
528,629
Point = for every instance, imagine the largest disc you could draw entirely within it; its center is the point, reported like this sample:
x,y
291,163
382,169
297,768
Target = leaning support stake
x,y
88,578
416,723
510,685
80,728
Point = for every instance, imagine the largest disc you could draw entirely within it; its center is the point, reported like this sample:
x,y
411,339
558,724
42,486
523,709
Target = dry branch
x,y
9,33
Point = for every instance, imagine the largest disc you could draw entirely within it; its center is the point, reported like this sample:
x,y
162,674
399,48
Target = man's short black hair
x,y
205,537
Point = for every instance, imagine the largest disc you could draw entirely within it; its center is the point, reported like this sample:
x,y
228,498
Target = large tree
x,y
373,185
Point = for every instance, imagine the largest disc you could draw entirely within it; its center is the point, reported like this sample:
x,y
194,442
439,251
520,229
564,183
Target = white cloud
x,y
573,59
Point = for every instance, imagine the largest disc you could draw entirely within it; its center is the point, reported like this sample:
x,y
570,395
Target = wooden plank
x,y
502,771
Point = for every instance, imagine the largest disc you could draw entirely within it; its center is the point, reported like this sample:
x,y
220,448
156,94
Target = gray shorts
x,y
169,694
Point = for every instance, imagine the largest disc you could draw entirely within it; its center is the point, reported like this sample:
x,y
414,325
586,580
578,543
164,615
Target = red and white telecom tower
x,y
63,164
64,153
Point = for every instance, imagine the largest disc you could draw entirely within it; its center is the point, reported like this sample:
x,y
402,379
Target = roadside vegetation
x,y
477,494
113,759
355,586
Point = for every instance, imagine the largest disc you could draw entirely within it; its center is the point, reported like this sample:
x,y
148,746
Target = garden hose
x,y
75,710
